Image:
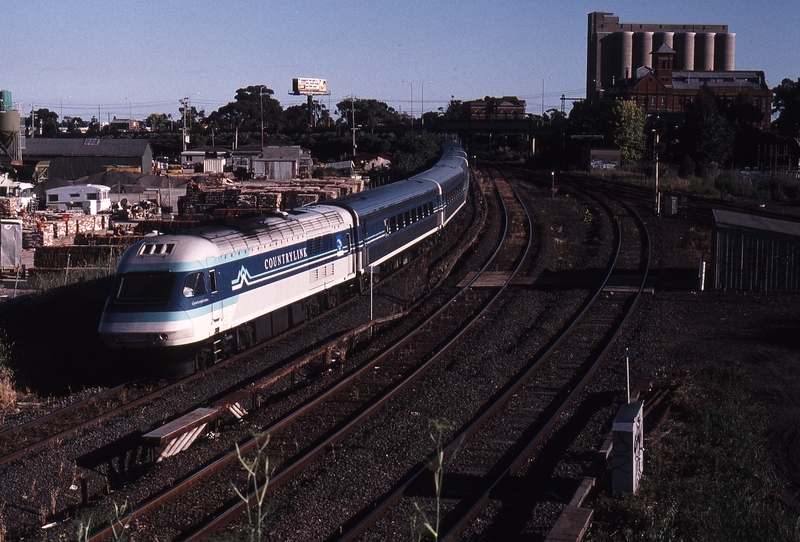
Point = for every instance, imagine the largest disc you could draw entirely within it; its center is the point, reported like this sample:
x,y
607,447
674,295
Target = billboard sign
x,y
309,87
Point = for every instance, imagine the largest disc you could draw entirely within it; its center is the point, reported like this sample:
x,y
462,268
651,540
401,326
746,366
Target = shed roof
x,y
755,222
91,146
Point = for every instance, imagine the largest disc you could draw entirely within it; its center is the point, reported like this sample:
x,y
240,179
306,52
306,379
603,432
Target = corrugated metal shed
x,y
755,253
73,158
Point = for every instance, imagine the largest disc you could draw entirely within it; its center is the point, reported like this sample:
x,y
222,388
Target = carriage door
x,y
216,298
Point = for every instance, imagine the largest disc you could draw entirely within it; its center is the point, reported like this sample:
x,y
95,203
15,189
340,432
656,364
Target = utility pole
x,y
412,101
185,102
353,121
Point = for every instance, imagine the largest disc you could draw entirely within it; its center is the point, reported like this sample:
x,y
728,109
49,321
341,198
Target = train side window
x,y
212,278
393,224
408,218
194,285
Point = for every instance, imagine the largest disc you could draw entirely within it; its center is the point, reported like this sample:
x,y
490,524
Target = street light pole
x,y
422,115
261,104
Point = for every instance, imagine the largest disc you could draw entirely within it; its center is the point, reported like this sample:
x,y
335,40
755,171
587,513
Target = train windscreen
x,y
145,288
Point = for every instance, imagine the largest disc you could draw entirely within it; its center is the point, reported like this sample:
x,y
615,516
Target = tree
x,y
158,122
706,134
47,121
786,102
455,110
629,123
367,112
251,107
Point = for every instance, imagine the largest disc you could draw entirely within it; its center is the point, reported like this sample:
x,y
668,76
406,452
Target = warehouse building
x,y
73,158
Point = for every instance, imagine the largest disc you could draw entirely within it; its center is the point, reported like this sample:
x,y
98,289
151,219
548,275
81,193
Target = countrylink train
x,y
180,302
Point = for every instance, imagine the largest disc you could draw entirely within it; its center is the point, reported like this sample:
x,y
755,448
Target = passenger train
x,y
182,301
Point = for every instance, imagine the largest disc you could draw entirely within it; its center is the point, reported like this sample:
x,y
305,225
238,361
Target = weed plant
x,y
707,475
8,394
420,521
255,492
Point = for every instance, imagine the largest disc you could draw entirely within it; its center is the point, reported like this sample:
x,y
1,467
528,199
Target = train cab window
x,y
212,278
194,285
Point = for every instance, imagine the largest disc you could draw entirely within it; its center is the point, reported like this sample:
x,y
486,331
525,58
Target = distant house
x,y
283,163
73,158
214,159
488,108
126,125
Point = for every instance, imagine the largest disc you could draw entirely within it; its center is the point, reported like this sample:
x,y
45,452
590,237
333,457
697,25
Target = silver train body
x,y
183,300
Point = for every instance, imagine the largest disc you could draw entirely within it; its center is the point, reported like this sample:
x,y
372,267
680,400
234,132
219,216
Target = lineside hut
x,y
755,253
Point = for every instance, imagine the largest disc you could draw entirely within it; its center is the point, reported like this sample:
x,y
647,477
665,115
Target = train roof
x,y
270,230
252,234
389,196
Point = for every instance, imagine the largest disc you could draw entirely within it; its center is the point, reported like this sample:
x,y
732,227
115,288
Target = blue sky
x,y
142,56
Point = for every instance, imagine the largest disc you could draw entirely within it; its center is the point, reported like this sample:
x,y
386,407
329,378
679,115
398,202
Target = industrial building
x,y
616,49
663,66
73,158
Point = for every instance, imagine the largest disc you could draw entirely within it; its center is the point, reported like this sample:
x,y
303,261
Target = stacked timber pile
x,y
219,198
8,207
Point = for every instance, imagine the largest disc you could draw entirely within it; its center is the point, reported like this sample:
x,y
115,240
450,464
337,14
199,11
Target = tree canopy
x,y
786,102
369,112
706,134
629,123
251,106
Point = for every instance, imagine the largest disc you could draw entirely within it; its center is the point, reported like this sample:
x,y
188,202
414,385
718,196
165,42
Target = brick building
x,y
488,108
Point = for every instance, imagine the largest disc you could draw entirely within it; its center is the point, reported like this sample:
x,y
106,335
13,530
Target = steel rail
x,y
456,441
482,501
225,517
196,477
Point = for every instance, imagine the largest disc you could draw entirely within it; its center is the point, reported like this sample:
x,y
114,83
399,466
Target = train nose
x,y
146,330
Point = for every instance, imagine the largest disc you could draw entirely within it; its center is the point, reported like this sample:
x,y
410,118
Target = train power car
x,y
182,301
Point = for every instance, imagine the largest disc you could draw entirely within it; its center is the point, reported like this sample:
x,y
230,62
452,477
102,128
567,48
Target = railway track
x,y
330,416
502,439
297,353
